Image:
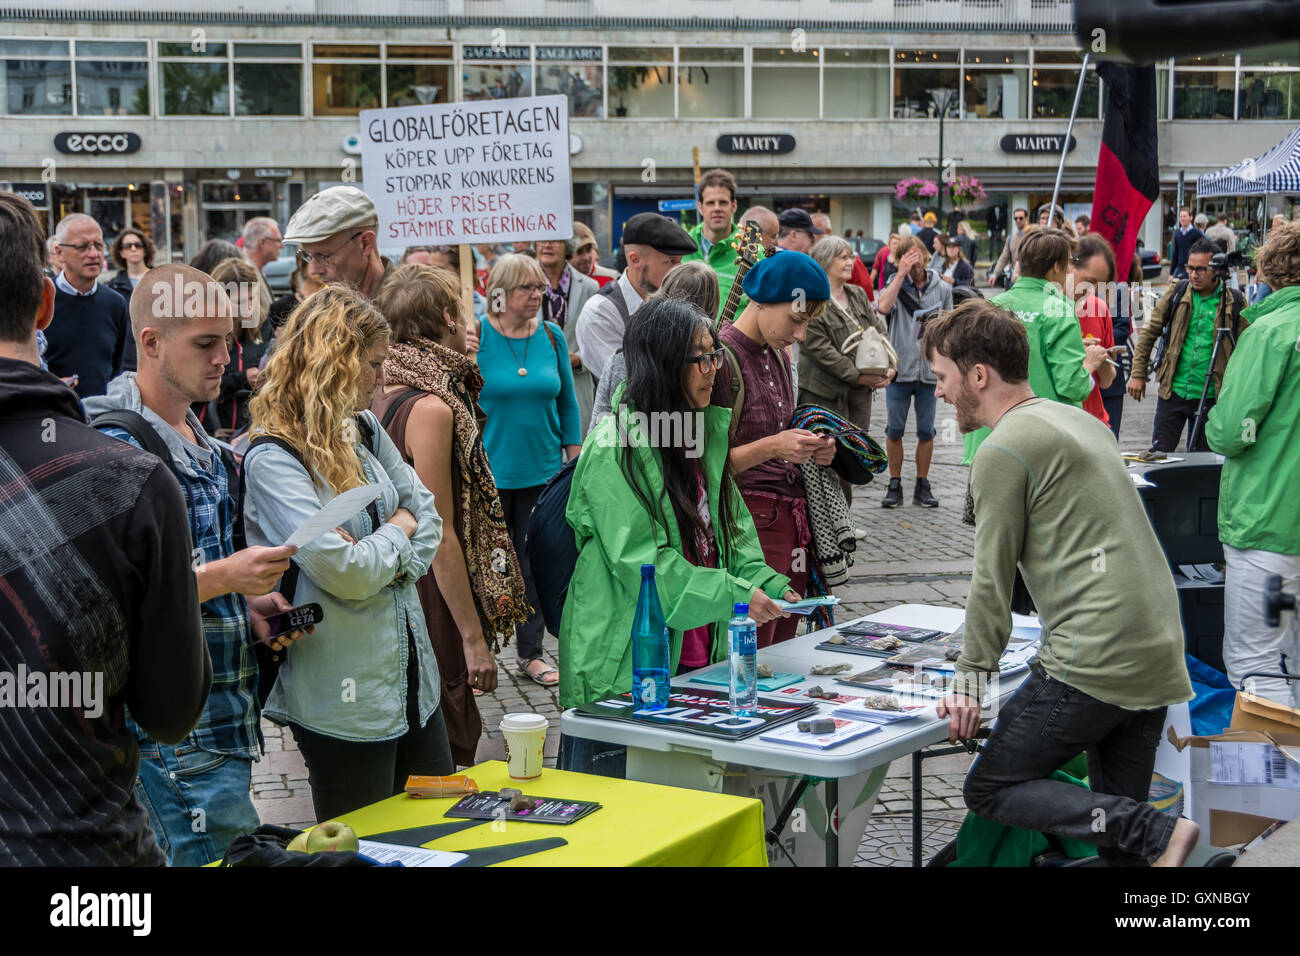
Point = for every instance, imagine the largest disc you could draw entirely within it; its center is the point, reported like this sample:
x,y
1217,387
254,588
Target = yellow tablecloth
x,y
638,824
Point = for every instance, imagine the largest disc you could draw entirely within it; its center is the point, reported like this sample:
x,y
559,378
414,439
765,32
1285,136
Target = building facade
x,y
189,120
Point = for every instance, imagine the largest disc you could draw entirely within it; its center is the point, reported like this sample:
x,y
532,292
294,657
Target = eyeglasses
x,y
83,246
706,361
530,289
1019,218
324,257
1199,269
133,245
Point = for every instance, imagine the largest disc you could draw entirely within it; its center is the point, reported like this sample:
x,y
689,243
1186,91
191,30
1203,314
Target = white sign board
x,y
490,171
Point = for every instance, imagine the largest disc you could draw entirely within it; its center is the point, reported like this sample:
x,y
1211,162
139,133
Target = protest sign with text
x,y
491,171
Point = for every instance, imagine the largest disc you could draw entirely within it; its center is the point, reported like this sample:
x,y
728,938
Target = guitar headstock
x,y
748,244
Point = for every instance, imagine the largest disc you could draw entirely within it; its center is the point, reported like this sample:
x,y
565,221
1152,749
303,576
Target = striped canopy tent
x,y
1277,171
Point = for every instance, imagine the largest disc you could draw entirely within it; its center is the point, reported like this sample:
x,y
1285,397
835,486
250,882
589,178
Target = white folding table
x,y
656,752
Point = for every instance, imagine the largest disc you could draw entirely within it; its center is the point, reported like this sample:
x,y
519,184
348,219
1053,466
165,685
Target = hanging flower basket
x,y
966,190
915,189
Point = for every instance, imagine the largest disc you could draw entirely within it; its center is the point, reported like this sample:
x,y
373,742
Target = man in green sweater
x,y
1060,367
1256,425
1052,496
717,228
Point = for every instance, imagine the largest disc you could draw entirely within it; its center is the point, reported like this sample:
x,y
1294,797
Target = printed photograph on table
x,y
700,711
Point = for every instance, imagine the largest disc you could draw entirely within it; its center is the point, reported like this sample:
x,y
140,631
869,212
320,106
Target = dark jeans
x,y
1042,727
582,755
1173,416
518,504
346,774
1114,405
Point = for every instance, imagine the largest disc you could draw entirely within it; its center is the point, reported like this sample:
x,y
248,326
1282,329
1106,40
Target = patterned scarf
x,y
557,299
493,566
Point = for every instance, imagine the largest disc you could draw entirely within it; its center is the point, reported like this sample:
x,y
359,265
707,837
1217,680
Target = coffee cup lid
x,y
523,721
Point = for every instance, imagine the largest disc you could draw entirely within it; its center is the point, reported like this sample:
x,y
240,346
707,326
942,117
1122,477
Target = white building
x,y
232,113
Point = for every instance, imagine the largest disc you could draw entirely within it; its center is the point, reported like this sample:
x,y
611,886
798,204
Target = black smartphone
x,y
294,619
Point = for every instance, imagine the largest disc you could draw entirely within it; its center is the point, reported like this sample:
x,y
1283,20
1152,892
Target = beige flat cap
x,y
331,211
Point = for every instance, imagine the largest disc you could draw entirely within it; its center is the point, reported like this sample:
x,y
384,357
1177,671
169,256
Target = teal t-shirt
x,y
530,418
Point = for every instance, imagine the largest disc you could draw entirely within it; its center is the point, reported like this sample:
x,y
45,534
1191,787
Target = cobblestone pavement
x,y
910,555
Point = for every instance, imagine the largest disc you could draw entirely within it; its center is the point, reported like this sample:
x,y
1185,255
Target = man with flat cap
x,y
336,232
653,244
785,291
798,231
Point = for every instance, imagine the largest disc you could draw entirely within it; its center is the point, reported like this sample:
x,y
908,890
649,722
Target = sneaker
x,y
922,494
894,495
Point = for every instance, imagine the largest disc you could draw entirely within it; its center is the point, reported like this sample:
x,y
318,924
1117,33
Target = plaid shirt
x,y
229,723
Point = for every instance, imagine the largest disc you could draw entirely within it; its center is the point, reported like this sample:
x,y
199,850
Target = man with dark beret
x,y
653,244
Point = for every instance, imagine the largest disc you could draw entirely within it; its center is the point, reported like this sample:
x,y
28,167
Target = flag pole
x,y
1065,143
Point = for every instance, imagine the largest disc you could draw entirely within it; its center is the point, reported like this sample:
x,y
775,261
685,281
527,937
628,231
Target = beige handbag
x,y
872,353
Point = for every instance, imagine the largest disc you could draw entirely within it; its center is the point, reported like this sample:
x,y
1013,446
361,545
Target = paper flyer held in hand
x,y
334,513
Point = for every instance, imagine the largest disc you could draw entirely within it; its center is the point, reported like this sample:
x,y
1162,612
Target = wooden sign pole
x,y
467,284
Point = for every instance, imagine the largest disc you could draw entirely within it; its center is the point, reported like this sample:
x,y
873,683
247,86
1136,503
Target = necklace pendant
x,y
523,371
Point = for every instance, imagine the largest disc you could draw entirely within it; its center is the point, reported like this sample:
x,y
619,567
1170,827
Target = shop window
x,y
641,91
268,89
344,89
915,89
194,89
1203,94
39,87
582,81
1053,94
112,78
497,81
786,83
996,93
411,84
712,90
1269,95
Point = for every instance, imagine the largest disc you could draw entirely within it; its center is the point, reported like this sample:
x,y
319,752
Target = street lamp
x,y
943,100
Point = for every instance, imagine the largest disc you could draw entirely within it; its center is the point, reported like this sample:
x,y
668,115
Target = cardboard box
x,y
1247,777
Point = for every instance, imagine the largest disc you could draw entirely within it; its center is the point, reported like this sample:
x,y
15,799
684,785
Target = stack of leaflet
x,y
914,687
857,708
845,730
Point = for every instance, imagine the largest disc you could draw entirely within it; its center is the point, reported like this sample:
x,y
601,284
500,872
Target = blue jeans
x,y
1043,726
583,755
197,801
899,397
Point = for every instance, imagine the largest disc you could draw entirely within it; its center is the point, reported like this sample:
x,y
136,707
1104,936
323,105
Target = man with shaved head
x,y
768,224
181,318
89,340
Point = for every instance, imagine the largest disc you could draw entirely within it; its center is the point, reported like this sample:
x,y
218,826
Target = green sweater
x,y
1056,351
721,258
1256,424
1052,495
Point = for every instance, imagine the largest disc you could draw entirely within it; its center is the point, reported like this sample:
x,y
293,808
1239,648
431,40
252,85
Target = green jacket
x,y
1256,425
616,535
721,259
1179,322
1056,351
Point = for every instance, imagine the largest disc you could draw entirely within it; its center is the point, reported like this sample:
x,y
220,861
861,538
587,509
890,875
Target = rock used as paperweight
x,y
836,638
765,670
889,643
509,793
821,670
882,702
818,725
520,802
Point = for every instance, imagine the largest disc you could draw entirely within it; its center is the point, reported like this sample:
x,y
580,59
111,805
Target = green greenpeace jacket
x,y
1056,351
616,535
721,259
1256,425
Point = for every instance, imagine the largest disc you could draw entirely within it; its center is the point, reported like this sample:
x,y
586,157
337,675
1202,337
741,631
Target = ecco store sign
x,y
96,143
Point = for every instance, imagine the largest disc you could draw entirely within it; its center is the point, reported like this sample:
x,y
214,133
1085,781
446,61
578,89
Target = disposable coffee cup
x,y
525,736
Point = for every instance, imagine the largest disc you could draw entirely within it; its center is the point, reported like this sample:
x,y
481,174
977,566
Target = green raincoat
x,y
616,535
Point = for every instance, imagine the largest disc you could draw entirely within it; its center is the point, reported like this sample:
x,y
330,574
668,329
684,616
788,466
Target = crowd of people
x,y
167,572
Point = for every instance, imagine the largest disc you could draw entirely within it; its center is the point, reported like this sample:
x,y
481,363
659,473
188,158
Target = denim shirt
x,y
348,679
229,723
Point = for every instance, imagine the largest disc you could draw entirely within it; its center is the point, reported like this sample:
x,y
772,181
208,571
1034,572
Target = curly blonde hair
x,y
1279,260
308,392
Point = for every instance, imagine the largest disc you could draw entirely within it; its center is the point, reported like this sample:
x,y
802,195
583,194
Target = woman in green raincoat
x,y
652,487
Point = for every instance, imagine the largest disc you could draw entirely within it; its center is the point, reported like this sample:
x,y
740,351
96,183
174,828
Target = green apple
x,y
298,844
333,835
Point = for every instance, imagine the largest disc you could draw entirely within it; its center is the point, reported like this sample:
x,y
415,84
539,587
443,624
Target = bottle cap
x,y
742,609
647,571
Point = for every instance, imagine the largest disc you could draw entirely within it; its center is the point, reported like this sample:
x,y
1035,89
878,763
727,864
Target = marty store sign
x,y
492,171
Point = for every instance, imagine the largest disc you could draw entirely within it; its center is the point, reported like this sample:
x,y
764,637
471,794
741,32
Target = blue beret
x,y
779,277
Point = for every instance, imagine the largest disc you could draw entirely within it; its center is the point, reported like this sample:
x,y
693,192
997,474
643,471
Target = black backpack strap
x,y
138,427
391,412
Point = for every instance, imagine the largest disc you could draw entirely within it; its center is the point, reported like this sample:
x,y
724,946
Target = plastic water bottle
x,y
742,641
650,653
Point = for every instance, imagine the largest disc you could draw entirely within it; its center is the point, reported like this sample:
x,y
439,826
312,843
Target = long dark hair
x,y
659,340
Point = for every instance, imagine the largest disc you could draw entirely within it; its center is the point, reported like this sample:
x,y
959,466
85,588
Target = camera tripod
x,y
1198,422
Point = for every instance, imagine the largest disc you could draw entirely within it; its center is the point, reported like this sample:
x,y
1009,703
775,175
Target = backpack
x,y
138,427
1158,353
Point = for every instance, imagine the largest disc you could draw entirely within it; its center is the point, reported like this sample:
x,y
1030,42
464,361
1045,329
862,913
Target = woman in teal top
x,y
532,418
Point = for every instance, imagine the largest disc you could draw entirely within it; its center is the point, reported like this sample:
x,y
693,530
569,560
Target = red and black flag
x,y
1128,169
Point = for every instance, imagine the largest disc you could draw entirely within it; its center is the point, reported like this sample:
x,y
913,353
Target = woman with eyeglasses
x,y
132,252
642,498
532,418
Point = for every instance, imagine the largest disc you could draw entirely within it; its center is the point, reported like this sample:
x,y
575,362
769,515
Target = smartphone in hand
x,y
294,619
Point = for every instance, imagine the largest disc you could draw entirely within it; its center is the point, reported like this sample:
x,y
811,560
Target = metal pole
x,y
1069,130
942,112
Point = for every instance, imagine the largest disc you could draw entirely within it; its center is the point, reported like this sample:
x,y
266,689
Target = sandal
x,y
540,676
